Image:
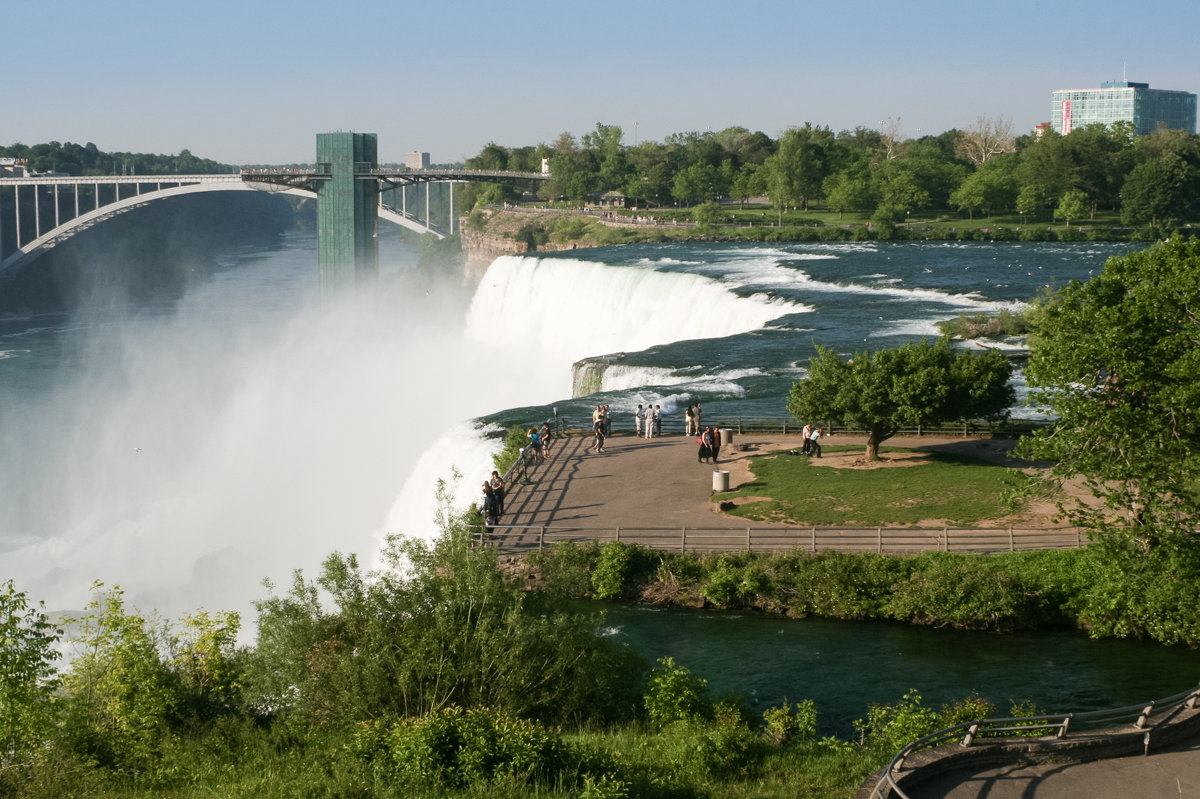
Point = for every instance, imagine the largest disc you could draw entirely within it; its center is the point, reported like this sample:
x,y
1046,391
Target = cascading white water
x,y
204,449
550,312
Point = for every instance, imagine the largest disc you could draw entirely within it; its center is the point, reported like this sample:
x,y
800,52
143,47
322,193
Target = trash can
x,y
720,480
726,436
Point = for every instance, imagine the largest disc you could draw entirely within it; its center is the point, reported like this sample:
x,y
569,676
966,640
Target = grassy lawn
x,y
796,490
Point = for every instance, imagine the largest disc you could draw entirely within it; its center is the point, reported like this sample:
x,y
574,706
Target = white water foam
x,y
556,311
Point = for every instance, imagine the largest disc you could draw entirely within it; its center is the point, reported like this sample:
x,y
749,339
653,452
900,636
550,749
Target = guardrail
x,y
880,540
1095,730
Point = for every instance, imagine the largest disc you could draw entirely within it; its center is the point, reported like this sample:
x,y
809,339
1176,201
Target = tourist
x,y
716,443
658,420
814,447
488,508
687,420
598,430
706,446
497,484
545,438
638,416
805,435
535,443
607,421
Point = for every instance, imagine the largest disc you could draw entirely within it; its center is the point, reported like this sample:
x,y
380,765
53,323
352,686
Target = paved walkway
x,y
1172,772
659,482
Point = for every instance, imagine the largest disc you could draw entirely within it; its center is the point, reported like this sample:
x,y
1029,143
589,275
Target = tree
x,y
121,694
919,383
1073,205
989,137
28,679
797,169
1116,360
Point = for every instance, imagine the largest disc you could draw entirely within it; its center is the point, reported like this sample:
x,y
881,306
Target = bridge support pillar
x,y
347,220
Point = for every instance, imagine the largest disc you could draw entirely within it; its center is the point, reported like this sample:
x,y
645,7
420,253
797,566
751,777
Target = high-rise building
x,y
1123,101
416,160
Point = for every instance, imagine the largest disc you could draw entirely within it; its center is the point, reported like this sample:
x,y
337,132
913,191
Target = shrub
x,y
784,723
457,747
567,568
729,583
674,693
608,578
972,594
889,728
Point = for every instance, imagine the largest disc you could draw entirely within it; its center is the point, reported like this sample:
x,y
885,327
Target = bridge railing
x,y
1100,728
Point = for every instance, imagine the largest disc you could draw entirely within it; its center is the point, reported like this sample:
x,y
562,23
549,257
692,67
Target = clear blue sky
x,y
252,81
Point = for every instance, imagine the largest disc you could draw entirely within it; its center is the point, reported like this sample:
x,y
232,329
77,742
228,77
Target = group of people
x,y
648,421
710,445
492,503
539,441
811,436
691,420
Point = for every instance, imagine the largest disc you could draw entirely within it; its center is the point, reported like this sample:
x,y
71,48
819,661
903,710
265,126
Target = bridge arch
x,y
30,250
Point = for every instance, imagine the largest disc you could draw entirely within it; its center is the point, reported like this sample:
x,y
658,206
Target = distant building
x,y
415,160
1123,101
13,168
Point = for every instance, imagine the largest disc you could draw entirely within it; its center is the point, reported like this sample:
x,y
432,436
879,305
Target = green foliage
x,y
457,747
890,727
674,693
567,568
28,678
733,580
783,723
121,696
438,626
969,594
917,384
608,578
1116,360
986,325
514,441
701,750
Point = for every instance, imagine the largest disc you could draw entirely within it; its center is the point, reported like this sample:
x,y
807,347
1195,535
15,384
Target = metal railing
x,y
674,424
880,540
1096,726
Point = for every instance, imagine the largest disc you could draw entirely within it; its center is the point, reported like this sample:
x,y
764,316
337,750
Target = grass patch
x,y
797,491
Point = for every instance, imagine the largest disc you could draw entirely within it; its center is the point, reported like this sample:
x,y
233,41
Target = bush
x,y
786,723
731,583
456,747
969,594
567,568
608,579
674,693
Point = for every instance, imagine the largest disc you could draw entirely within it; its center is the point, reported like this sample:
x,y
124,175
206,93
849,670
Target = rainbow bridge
x,y
352,191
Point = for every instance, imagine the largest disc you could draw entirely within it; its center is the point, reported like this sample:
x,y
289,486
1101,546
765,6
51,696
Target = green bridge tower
x,y
347,209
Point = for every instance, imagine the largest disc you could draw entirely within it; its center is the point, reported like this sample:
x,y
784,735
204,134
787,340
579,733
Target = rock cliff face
x,y
500,235
481,248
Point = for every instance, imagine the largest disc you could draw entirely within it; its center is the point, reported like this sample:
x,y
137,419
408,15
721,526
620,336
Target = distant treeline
x,y
985,169
87,159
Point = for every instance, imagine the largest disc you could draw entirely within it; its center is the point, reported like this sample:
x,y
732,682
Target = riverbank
x,y
489,233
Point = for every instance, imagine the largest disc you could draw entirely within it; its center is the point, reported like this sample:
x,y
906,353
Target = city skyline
x,y
254,82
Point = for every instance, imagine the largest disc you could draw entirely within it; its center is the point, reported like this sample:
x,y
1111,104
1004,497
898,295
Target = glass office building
x,y
1123,101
